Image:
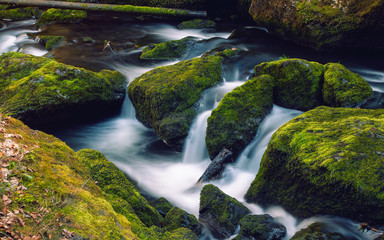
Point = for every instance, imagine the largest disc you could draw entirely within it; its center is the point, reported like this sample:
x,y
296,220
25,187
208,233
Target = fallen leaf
x,y
6,200
22,223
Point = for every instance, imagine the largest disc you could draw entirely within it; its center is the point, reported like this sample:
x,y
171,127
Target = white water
x,y
135,149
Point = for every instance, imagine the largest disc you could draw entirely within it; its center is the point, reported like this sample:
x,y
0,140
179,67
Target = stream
x,y
136,150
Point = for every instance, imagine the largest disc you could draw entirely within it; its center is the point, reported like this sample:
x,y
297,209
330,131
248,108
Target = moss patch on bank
x,y
164,97
326,161
54,15
19,13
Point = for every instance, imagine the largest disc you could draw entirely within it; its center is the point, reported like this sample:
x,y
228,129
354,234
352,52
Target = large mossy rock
x,y
52,42
260,227
343,88
297,84
40,90
220,211
234,123
49,191
54,15
323,24
317,231
162,205
112,181
177,218
168,50
326,161
164,97
18,13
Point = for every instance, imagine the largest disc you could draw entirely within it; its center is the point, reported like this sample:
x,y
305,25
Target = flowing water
x,y
136,150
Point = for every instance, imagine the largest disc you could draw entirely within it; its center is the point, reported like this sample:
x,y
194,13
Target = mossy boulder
x,y
52,42
323,24
343,88
317,231
162,205
260,227
19,13
177,218
220,211
52,191
298,82
164,97
168,50
325,161
40,90
197,23
112,181
234,123
54,15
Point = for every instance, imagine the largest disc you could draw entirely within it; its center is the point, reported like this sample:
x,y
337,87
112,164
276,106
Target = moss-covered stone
x,y
316,231
54,15
343,88
164,97
234,123
168,50
52,42
324,24
19,13
260,227
177,218
111,180
40,90
220,211
162,205
197,23
88,40
326,161
298,82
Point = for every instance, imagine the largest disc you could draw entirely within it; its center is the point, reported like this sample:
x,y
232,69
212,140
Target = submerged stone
x,y
326,161
168,50
343,88
317,231
220,211
177,218
260,227
164,97
42,91
54,15
235,121
197,23
297,84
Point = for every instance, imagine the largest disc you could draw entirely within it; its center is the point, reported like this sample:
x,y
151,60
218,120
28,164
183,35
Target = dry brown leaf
x,y
21,221
6,200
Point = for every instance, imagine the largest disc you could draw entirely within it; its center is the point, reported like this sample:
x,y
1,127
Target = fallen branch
x,y
154,11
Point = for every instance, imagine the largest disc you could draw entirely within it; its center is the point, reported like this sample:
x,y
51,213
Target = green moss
x,y
343,88
88,40
164,97
111,180
298,82
162,205
248,105
316,231
177,218
326,161
197,23
19,13
53,15
219,210
261,227
33,87
167,50
52,42
149,10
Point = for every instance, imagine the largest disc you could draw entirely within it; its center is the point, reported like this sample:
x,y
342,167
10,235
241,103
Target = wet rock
x,y
54,15
325,161
168,50
52,42
297,84
260,227
217,166
177,218
317,231
220,211
324,25
374,102
41,91
197,23
164,97
343,88
234,123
